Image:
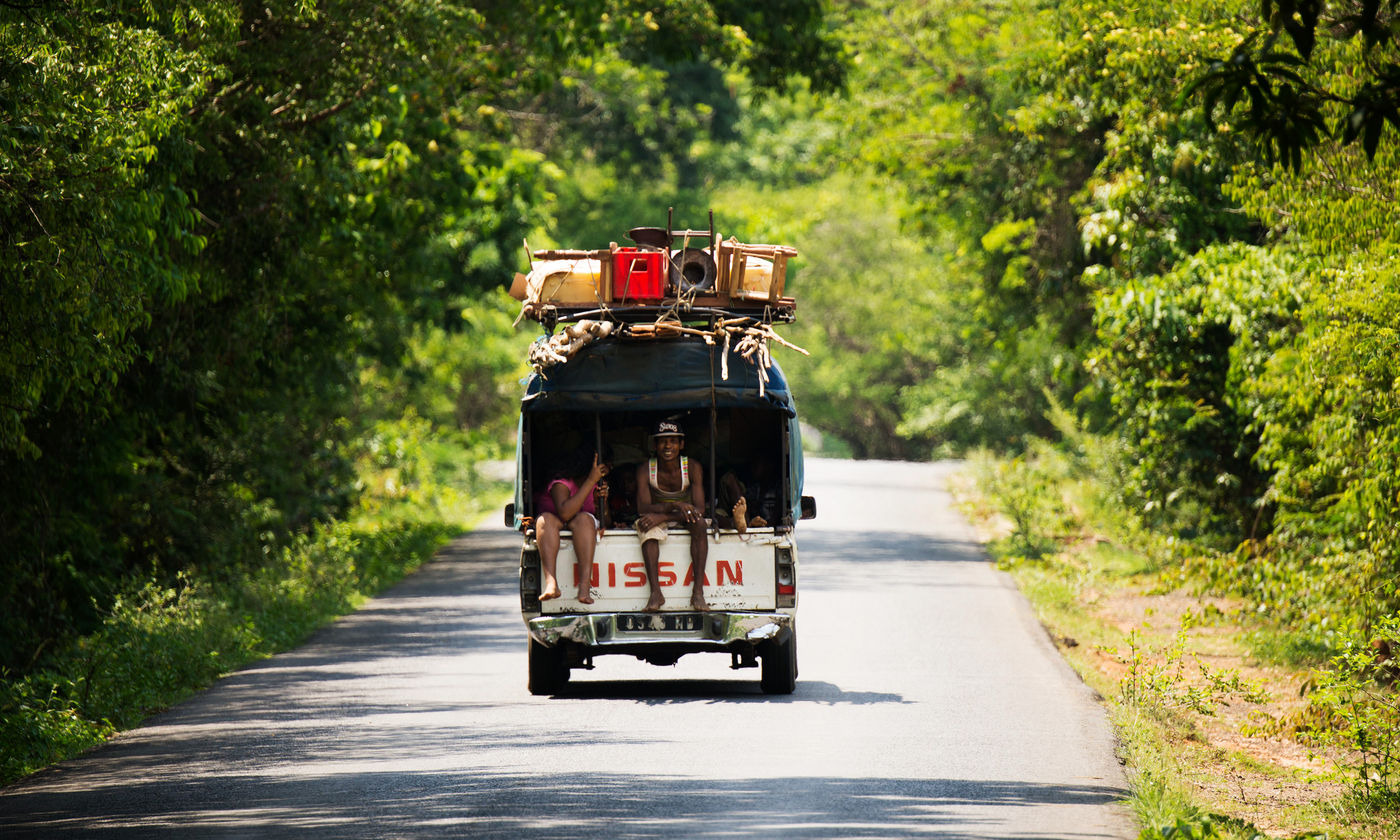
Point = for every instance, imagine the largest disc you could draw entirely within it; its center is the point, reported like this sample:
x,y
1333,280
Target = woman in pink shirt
x,y
567,505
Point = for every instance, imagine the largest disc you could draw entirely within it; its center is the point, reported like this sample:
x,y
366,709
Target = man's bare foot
x,y
741,510
585,595
654,604
697,603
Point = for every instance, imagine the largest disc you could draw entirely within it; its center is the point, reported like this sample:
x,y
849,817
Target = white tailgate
x,y
739,573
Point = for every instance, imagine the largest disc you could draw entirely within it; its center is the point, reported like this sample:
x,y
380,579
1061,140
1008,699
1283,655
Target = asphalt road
x,y
929,704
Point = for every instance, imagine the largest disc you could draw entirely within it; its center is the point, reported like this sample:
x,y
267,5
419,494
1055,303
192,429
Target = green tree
x,y
1177,359
1306,70
94,240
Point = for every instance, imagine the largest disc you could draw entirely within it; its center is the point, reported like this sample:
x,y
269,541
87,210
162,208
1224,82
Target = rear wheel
x,y
779,674
549,670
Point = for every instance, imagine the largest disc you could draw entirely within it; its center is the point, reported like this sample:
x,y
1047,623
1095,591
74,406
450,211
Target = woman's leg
x,y
585,537
547,528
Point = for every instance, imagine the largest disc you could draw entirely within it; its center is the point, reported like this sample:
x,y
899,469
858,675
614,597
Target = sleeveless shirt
x,y
660,496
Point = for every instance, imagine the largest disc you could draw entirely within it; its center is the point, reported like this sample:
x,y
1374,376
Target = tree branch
x,y
312,119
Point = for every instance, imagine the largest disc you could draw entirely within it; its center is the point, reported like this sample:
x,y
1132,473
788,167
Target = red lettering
x,y
735,572
690,578
636,574
593,580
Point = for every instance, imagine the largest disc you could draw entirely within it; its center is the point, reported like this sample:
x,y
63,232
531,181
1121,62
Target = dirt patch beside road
x,y
1177,670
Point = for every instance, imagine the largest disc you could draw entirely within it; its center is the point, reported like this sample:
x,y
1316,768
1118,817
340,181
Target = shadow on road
x,y
666,692
462,803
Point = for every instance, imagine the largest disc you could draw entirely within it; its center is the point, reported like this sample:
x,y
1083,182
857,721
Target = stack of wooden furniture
x,y
697,270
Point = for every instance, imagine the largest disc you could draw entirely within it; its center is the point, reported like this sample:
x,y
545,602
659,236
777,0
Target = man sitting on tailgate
x,y
670,489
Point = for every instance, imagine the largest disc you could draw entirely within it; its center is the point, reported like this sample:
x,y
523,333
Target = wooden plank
x,y
571,254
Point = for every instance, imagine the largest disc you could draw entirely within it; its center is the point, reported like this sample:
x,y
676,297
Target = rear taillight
x,y
787,578
529,580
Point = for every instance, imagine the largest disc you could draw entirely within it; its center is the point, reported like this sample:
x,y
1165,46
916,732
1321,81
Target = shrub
x,y
1329,435
1358,698
1163,679
1028,490
1174,356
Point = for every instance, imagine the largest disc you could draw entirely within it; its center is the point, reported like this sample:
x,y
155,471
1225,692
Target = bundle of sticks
x,y
558,348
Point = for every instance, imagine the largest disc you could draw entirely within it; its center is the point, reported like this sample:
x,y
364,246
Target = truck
x,y
739,418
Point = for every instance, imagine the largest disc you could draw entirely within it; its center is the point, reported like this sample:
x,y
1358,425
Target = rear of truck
x,y
739,421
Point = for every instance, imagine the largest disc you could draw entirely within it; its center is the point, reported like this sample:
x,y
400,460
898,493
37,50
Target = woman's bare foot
x,y
697,602
741,510
654,604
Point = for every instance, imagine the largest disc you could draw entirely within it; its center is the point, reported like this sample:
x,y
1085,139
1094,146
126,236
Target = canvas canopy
x,y
663,375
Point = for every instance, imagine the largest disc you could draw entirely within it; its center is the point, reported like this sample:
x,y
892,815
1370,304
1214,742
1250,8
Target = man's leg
x,y
733,507
651,558
699,554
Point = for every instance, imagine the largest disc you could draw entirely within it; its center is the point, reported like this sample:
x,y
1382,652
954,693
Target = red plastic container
x,y
638,276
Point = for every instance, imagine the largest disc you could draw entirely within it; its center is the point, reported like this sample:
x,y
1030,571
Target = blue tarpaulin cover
x,y
663,375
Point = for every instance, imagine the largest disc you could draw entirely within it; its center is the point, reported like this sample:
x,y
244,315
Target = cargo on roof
x,y
682,270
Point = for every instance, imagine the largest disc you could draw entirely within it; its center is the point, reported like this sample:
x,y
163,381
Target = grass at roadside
x,y
1217,713
162,642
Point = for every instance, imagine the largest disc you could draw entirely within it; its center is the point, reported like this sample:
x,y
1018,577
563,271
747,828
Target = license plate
x,y
659,623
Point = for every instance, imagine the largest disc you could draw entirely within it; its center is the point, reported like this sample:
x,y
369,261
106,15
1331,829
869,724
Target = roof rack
x,y
551,316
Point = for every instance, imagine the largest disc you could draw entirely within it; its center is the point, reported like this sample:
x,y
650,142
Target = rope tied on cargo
x,y
747,337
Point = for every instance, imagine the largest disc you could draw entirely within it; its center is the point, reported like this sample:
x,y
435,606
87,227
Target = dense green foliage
x,y
1287,106
1044,240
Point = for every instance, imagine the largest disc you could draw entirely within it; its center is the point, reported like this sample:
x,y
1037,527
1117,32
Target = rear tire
x,y
779,663
549,670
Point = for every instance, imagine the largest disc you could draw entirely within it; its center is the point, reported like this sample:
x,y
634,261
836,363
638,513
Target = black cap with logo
x,y
667,428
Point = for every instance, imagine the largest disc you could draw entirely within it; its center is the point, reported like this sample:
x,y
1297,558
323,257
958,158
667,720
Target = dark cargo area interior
x,y
749,444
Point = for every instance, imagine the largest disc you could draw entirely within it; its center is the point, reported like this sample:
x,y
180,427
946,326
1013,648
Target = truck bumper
x,y
715,631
